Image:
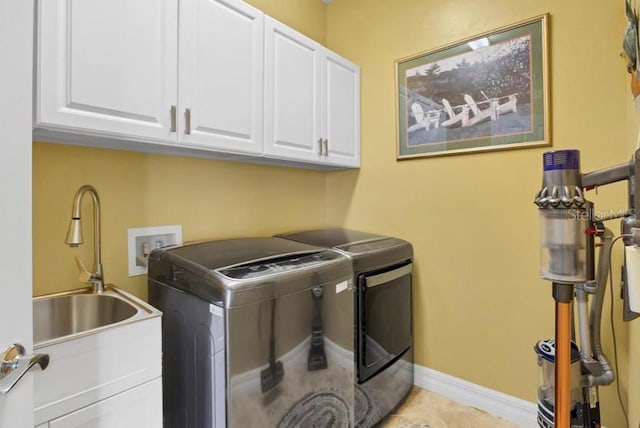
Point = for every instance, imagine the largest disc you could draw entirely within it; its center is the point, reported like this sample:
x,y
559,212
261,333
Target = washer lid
x,y
214,255
238,272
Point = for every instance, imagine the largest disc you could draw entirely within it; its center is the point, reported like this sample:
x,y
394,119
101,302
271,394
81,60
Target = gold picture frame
x,y
486,92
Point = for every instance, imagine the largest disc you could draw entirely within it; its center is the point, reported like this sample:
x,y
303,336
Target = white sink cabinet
x,y
111,377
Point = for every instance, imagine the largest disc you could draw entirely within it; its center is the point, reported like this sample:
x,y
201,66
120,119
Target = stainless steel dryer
x,y
382,268
256,332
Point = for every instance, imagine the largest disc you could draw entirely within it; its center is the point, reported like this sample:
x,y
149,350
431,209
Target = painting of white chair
x,y
418,113
507,106
454,118
433,118
479,115
424,120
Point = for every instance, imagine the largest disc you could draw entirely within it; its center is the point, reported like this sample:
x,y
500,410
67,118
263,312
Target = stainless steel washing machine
x,y
256,332
382,268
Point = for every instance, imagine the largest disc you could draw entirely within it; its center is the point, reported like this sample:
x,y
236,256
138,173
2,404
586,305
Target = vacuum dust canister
x,y
564,219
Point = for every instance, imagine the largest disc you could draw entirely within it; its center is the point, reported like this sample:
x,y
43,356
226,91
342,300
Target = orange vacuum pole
x,y
563,295
563,365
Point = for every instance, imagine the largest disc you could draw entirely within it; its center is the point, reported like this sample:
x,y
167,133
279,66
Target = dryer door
x,y
384,318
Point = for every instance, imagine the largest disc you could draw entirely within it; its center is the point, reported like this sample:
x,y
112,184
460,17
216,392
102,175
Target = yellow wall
x,y
210,199
307,17
479,306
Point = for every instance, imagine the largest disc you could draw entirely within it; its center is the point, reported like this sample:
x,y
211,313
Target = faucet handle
x,y
85,275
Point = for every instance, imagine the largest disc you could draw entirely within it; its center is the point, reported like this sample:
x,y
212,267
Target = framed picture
x,y
487,92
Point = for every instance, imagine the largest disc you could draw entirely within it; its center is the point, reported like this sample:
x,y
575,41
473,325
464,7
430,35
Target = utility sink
x,y
72,314
101,346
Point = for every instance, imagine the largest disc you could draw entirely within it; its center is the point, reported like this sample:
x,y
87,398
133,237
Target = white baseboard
x,y
507,407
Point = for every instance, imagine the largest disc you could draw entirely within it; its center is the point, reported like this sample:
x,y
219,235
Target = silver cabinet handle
x,y
14,363
320,141
326,147
173,113
187,121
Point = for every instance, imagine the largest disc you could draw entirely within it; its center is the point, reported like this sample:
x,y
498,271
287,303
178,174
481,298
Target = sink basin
x,y
101,346
80,312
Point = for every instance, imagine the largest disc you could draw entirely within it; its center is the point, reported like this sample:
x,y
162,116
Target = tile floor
x,y
426,409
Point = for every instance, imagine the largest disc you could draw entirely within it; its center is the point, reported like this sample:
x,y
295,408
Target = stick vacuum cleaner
x,y
569,376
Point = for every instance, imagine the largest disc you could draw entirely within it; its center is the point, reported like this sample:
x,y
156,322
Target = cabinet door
x,y
292,94
221,75
107,67
341,110
139,407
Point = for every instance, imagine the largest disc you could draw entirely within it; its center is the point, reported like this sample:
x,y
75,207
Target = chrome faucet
x,y
74,238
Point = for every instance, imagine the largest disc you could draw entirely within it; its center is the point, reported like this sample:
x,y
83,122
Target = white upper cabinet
x,y
107,67
206,78
221,82
292,93
341,110
312,100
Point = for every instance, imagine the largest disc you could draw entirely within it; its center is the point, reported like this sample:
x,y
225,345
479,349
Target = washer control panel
x,y
277,265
